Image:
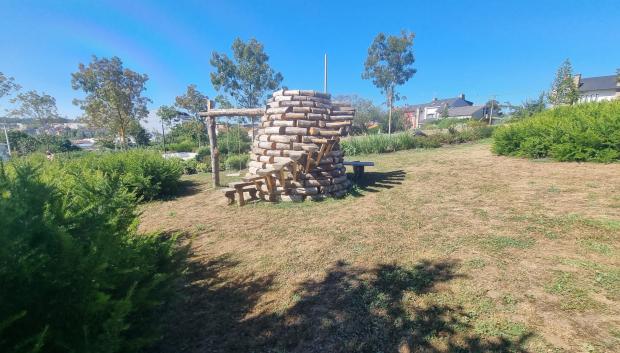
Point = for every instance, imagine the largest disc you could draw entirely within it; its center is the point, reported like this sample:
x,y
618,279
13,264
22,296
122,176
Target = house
x,y
418,114
470,112
596,89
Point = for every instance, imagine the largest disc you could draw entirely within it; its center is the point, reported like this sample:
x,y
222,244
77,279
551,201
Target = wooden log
x,y
324,132
283,146
340,179
314,116
317,182
319,110
308,104
312,190
282,160
322,105
283,123
278,110
290,103
294,155
291,92
341,117
272,152
266,159
255,164
265,124
300,98
283,138
306,92
295,131
290,116
278,93
297,146
258,150
267,145
302,109
275,117
282,98
306,123
233,112
338,124
263,138
274,130
215,153
310,147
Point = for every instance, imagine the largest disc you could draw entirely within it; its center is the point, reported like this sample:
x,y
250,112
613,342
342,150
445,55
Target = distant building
x,y
418,114
596,89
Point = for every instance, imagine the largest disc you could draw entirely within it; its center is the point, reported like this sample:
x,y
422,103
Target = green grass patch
x,y
499,243
572,293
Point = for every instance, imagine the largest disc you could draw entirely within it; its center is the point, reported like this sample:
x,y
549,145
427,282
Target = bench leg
x,y
241,200
231,199
358,171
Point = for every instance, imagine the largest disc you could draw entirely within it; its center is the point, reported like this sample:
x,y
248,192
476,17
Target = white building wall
x,y
597,96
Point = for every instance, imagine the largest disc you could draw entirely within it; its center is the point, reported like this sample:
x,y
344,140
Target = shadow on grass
x,y
375,181
350,310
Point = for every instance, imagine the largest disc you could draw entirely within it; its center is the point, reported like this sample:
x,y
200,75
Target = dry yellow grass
x,y
451,249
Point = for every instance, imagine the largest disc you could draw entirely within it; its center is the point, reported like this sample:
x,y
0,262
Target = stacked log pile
x,y
300,132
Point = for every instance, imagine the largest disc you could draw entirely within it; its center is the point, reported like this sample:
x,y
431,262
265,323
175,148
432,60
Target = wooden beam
x,y
215,154
233,112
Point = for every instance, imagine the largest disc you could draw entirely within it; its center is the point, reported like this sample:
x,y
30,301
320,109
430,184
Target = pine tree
x,y
564,90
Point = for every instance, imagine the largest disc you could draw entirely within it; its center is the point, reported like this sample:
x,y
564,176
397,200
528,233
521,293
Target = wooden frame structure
x,y
211,116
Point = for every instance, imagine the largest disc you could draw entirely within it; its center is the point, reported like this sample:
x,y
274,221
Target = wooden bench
x,y
358,168
238,189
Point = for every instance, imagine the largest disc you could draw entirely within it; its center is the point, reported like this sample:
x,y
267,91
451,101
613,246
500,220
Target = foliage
x,y
389,64
182,146
168,114
22,143
383,143
564,90
529,107
114,98
76,276
38,107
234,140
365,112
193,102
145,173
139,133
583,132
7,85
237,161
247,78
202,154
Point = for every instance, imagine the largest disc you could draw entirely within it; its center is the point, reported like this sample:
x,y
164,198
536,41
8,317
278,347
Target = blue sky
x,y
481,48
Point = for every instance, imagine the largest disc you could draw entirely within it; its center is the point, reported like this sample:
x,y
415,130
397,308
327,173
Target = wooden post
x,y
215,154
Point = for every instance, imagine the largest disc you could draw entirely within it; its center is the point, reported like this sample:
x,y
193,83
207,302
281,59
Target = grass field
x,y
445,250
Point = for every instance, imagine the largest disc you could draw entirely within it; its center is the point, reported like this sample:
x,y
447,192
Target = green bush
x,y
76,277
384,143
237,161
183,146
583,132
145,173
203,153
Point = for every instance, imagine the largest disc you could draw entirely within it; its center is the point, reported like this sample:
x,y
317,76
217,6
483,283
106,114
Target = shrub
x,y
384,143
183,146
75,275
203,153
145,173
583,132
237,161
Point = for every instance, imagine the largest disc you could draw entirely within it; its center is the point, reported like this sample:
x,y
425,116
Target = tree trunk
x,y
390,113
215,160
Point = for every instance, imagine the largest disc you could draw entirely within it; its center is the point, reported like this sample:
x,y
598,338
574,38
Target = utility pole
x,y
8,144
163,134
491,114
325,74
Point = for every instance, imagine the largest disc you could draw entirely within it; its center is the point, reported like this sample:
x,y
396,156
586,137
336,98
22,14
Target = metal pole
x,y
163,134
8,144
325,75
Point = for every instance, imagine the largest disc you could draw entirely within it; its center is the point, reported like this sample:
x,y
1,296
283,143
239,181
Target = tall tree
x,y
39,107
247,77
389,65
194,102
564,89
365,112
7,85
114,98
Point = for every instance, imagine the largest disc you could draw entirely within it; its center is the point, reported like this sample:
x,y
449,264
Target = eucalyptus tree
x,y
247,77
40,107
114,95
193,102
390,64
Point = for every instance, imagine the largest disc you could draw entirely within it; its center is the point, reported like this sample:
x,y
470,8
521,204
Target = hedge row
x,y
583,132
383,143
76,277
